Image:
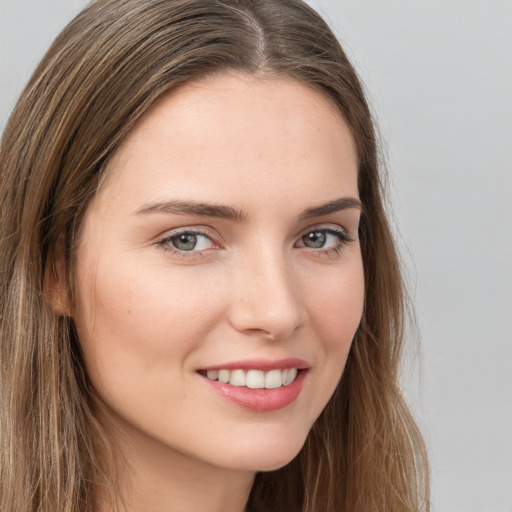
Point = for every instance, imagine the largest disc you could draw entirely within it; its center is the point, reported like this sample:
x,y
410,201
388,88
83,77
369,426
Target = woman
x,y
201,301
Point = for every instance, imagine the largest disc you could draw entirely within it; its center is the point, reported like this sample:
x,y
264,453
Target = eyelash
x,y
165,243
343,239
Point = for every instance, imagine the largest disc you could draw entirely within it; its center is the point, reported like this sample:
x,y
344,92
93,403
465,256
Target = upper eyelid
x,y
326,226
208,232
341,234
216,238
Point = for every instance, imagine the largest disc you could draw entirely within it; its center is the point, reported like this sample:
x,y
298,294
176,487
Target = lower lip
x,y
260,400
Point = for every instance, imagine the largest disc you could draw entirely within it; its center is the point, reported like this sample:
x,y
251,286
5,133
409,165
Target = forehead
x,y
230,133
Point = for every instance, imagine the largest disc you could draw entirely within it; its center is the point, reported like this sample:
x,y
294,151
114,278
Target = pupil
x,y
315,239
185,242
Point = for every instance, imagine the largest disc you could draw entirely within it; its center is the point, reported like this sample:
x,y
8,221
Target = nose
x,y
267,299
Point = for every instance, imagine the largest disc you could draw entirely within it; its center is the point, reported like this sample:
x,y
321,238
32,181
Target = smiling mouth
x,y
253,379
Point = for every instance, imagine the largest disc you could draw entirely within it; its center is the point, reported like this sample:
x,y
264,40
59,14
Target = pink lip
x,y
264,365
259,400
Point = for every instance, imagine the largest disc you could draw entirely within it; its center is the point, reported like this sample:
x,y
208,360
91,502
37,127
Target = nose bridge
x,y
268,298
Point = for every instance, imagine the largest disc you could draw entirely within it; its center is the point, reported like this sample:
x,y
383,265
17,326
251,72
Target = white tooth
x,y
212,374
237,378
224,376
284,373
255,379
273,379
292,373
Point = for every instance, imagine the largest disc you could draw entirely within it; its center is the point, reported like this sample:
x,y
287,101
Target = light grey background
x,y
439,74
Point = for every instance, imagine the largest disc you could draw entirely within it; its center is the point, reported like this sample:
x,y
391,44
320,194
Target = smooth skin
x,y
165,288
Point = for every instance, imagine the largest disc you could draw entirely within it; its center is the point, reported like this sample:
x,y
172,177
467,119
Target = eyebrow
x,y
196,209
343,203
199,209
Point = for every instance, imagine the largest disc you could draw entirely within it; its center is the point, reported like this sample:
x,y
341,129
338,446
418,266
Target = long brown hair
x,y
111,63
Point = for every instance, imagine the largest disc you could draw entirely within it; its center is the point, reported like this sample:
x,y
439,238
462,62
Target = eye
x,y
189,241
315,239
325,239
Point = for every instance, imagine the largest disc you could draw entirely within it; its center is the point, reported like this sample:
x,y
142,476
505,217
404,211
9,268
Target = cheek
x,y
337,306
336,309
135,318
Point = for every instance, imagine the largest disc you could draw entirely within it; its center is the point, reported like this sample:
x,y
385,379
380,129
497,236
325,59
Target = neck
x,y
152,477
183,485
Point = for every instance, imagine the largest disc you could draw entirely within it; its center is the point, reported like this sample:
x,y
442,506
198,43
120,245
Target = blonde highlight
x,y
103,72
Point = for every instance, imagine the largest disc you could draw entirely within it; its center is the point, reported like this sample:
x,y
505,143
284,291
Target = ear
x,y
56,290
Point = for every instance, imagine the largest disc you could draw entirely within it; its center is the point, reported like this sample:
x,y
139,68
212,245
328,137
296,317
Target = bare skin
x,y
226,231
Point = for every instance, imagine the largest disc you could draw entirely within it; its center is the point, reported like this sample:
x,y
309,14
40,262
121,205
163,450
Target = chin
x,y
275,464
266,454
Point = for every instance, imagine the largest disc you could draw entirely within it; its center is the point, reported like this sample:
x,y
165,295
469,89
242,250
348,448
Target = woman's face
x,y
219,275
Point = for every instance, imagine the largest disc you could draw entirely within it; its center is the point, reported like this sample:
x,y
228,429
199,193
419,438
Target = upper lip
x,y
260,364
